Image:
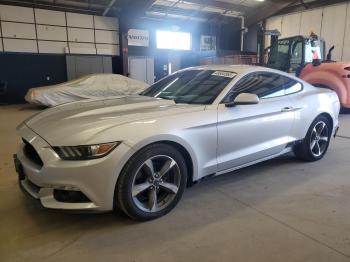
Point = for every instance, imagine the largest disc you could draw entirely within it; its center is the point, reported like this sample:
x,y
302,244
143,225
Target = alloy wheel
x,y
156,183
319,139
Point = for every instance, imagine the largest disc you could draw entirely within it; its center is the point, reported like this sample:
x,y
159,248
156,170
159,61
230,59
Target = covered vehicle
x,y
87,87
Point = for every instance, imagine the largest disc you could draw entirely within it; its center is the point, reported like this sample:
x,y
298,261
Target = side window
x,y
242,86
291,86
271,85
264,85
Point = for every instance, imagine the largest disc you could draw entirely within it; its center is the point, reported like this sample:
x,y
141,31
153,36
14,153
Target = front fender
x,y
169,138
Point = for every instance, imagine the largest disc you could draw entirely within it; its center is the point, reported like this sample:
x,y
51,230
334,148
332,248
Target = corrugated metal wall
x,y
32,30
330,22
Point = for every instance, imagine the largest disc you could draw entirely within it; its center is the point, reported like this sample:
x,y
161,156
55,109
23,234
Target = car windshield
x,y
191,86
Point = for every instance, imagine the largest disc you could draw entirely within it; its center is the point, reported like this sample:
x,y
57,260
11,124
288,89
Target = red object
x,y
330,75
315,55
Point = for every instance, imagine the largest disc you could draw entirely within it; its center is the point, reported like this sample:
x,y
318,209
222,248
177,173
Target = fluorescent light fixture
x,y
174,40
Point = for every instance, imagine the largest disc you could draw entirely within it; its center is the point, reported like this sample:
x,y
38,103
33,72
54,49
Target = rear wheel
x,y
152,182
315,145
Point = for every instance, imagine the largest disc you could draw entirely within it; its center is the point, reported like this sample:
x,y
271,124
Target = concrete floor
x,y
280,210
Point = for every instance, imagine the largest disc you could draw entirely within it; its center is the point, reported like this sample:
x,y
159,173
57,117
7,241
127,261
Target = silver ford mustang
x,y
139,152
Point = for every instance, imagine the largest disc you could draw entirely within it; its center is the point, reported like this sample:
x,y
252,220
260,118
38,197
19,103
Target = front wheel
x,y
315,145
152,182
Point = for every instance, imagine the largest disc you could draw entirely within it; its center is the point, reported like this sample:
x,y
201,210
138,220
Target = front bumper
x,y
95,179
47,195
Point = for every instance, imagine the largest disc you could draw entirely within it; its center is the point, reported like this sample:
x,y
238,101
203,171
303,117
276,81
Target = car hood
x,y
79,122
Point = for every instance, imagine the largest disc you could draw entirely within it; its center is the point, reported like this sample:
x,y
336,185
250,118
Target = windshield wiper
x,y
167,98
176,100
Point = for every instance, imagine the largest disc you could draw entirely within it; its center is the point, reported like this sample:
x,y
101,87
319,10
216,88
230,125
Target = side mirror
x,y
244,99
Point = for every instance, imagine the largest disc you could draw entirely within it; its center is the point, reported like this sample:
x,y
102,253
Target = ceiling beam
x,y
109,6
189,13
222,5
174,11
172,6
136,10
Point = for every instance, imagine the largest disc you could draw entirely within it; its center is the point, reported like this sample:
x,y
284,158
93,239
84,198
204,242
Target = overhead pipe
x,y
110,5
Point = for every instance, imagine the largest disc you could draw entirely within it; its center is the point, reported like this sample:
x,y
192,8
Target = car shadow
x,y
30,107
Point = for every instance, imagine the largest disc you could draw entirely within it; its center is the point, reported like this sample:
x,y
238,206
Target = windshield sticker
x,y
224,74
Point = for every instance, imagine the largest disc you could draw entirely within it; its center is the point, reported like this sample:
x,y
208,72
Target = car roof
x,y
239,69
243,69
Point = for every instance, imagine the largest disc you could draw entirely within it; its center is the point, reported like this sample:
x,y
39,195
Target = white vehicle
x,y
138,153
87,87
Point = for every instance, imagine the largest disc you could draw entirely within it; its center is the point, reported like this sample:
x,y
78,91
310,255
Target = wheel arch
x,y
324,114
303,149
329,117
178,144
185,152
187,157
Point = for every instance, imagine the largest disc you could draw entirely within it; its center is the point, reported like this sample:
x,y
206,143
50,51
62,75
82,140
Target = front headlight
x,y
85,152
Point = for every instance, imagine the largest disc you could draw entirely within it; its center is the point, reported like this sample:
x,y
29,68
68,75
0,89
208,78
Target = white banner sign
x,y
208,43
138,37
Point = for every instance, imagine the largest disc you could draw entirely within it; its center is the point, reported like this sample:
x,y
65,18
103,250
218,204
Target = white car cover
x,y
87,87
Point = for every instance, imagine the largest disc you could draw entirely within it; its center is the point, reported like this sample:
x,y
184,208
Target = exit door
x,y
142,68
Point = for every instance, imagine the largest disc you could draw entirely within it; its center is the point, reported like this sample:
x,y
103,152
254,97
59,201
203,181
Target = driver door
x,y
247,133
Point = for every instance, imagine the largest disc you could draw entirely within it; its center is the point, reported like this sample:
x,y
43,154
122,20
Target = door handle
x,y
287,109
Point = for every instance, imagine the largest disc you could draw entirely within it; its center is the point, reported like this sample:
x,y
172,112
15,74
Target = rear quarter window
x,y
265,85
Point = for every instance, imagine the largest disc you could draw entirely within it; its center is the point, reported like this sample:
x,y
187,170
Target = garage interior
x,y
279,210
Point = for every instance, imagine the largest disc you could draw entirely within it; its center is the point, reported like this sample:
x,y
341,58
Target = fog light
x,y
68,196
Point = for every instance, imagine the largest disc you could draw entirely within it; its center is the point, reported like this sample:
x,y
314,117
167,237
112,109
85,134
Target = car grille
x,y
31,154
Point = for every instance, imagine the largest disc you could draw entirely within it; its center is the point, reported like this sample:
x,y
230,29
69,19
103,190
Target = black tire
x,y
138,169
307,150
